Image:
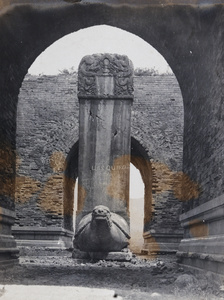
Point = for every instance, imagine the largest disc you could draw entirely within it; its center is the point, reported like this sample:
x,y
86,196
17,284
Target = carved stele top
x,y
105,75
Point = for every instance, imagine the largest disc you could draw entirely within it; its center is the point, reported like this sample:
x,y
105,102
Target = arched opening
x,y
174,39
67,79
141,168
136,208
75,205
66,53
70,187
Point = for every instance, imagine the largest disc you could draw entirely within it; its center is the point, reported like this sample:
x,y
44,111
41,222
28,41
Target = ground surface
x,y
152,278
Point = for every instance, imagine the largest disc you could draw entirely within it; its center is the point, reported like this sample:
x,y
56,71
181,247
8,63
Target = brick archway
x,y
190,38
70,180
139,158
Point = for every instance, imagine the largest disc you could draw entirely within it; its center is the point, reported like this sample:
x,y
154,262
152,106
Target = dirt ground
x,y
141,278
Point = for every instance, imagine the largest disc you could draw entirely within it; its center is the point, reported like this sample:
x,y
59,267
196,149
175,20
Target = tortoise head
x,y
102,214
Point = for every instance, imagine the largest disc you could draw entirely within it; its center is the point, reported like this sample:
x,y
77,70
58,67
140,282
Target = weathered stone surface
x,y
105,92
105,76
111,256
156,242
105,256
203,244
8,250
102,231
36,236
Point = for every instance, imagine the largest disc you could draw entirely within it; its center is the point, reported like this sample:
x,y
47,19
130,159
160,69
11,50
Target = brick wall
x,y
204,135
157,124
47,128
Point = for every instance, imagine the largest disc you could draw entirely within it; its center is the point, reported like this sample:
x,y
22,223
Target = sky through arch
x,y
67,52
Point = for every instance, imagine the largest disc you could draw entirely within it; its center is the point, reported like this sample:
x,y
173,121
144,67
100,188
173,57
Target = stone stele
x,y
105,92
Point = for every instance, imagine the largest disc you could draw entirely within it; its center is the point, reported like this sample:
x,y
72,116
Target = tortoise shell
x,y
102,231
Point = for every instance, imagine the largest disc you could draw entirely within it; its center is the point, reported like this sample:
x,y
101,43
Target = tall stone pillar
x,y
105,92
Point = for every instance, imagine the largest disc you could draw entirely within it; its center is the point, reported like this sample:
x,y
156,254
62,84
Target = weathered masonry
x,y
47,158
191,40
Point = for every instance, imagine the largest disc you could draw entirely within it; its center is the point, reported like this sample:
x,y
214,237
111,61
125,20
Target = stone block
x,y
159,242
114,256
50,237
8,249
203,243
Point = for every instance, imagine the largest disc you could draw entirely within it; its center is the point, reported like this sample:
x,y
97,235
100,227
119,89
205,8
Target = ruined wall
x,y
158,125
47,128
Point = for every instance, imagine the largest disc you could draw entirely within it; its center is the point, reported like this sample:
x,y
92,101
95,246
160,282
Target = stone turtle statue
x,y
102,231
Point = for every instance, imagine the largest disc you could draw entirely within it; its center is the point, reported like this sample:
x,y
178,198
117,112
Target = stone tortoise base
x,y
125,255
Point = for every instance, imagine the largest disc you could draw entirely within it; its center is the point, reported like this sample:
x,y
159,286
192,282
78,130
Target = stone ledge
x,y
42,230
7,216
49,244
210,245
202,262
160,248
203,244
9,256
9,250
211,210
161,242
7,241
111,256
202,256
210,275
173,236
51,237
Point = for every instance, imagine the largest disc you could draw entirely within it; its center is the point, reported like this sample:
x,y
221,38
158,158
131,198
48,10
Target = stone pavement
x,y
48,292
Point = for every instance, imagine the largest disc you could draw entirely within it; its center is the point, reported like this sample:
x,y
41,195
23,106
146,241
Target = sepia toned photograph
x,y
111,149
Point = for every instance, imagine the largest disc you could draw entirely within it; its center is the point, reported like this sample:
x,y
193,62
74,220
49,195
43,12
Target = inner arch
x,y
136,208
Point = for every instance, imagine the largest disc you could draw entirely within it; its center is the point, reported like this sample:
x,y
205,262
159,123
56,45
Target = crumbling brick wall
x,y
47,127
158,125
